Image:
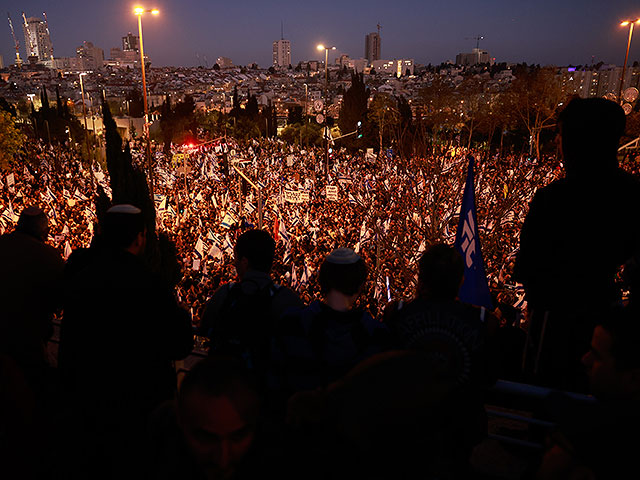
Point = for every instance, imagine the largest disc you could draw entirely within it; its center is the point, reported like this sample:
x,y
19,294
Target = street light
x,y
626,56
139,11
86,130
326,97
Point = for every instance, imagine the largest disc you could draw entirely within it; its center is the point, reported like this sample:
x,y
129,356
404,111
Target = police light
x,y
359,130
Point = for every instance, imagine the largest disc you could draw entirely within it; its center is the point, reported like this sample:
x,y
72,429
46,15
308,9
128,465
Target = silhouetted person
x,y
578,232
30,290
240,317
121,331
601,440
30,293
320,343
453,335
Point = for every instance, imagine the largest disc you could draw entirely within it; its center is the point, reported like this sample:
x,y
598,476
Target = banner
x,y
296,196
332,193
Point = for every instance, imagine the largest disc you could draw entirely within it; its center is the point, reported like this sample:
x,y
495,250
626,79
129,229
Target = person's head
x,y
342,271
123,228
590,131
440,273
33,221
218,409
254,251
613,361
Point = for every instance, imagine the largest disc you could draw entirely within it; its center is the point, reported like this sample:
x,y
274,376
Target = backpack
x,y
244,325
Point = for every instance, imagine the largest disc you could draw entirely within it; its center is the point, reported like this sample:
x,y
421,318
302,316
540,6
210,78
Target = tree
x,y
384,112
294,115
216,67
436,112
354,108
7,107
534,98
252,110
136,103
11,139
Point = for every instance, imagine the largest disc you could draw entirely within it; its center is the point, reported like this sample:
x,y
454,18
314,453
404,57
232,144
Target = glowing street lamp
x,y
321,47
86,130
139,11
626,56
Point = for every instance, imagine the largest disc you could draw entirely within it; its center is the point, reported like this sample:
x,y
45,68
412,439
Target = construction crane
x,y
15,41
477,39
46,25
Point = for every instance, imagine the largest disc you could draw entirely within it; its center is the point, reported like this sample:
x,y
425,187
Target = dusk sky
x,y
559,32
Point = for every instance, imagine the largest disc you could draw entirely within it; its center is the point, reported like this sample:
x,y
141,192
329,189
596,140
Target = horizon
x,y
427,33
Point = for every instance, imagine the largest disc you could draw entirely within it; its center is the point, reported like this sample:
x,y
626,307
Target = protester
x,y
600,440
320,343
240,318
452,334
120,333
212,430
577,234
30,294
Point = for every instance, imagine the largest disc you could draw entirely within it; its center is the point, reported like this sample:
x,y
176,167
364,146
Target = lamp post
x,y
86,130
139,11
326,98
626,56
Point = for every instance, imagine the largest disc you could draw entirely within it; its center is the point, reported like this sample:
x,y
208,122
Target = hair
x,y
440,272
591,129
258,247
220,375
119,230
33,221
623,324
345,278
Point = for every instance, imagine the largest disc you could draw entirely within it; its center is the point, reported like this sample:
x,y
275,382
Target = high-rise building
x,y
37,39
372,46
93,55
281,53
130,43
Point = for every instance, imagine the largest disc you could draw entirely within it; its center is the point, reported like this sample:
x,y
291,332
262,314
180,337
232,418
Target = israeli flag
x,y
199,251
474,289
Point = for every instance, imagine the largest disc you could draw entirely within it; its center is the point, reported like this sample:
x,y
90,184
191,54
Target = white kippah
x,y
343,256
125,208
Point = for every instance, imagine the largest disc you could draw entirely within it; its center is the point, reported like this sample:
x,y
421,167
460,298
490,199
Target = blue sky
x,y
557,32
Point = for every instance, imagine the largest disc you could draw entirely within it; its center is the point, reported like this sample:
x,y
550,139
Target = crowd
x,y
328,301
387,212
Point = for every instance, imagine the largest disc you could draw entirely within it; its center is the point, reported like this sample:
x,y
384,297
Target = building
x,y
598,83
37,40
93,55
1,62
224,62
123,58
131,43
398,67
372,47
281,53
476,57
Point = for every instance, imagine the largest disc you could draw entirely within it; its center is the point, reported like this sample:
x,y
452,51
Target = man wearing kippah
x,y
122,329
320,343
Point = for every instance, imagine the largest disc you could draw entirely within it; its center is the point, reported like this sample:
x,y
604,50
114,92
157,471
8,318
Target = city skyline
x,y
185,34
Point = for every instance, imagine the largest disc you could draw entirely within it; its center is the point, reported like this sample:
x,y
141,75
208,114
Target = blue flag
x,y
474,289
